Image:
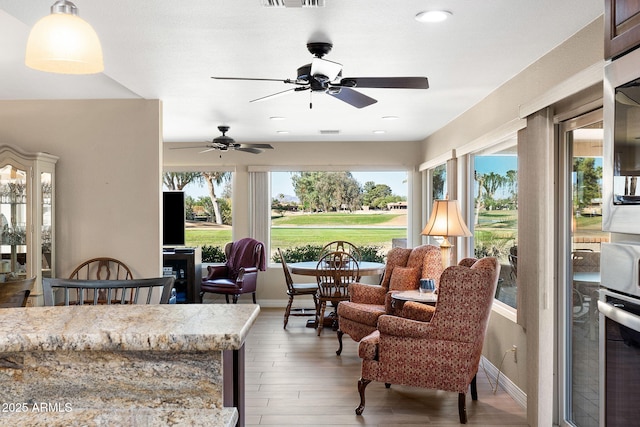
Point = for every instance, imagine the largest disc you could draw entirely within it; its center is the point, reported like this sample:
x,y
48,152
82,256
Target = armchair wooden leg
x,y
253,294
474,388
462,408
226,297
339,351
387,385
235,299
362,384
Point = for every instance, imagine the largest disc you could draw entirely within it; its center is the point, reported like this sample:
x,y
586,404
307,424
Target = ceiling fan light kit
x,y
325,76
64,43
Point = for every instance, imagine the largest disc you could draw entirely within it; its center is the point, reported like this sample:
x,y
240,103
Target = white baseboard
x,y
507,385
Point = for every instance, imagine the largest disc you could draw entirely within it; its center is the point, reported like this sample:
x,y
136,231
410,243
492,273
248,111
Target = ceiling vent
x,y
292,3
329,132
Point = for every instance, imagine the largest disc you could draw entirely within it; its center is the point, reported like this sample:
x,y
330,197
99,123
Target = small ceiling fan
x,y
325,76
226,143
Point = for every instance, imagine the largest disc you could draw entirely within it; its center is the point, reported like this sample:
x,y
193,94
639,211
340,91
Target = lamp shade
x,y
446,220
64,43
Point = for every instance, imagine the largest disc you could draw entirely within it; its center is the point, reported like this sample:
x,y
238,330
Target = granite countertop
x,y
170,327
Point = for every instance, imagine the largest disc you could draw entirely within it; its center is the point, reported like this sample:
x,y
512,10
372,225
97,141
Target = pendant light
x,y
64,43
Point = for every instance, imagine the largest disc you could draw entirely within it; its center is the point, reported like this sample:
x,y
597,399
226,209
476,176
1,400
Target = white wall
x,y
534,372
108,177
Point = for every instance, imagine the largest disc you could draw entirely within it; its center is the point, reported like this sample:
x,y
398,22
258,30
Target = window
x,y
439,182
208,208
312,208
495,214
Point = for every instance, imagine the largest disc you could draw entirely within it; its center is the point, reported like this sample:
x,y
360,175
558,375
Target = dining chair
x,y
99,292
297,289
15,293
342,246
335,271
102,268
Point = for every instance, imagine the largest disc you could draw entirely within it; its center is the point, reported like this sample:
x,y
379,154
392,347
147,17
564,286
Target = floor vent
x,y
292,3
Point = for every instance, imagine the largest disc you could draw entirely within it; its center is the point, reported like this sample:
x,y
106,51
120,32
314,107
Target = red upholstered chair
x,y
358,317
239,275
444,353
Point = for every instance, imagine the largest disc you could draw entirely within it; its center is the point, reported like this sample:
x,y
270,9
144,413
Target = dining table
x,y
309,268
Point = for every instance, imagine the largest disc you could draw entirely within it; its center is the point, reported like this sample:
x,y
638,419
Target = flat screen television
x,y
173,211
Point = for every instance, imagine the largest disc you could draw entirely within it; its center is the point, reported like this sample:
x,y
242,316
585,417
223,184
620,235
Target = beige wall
x,y
107,178
534,372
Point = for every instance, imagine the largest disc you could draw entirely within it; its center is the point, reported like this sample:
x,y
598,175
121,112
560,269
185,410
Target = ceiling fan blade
x,y
249,150
352,97
208,149
182,148
260,146
255,79
326,68
386,82
273,95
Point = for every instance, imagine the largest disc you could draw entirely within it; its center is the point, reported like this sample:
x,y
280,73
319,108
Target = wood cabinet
x,y
185,265
27,212
621,26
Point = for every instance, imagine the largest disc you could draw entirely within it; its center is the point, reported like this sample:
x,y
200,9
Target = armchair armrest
x,y
367,294
403,328
247,279
216,272
417,311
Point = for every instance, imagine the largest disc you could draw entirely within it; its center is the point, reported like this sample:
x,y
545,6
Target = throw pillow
x,y
404,278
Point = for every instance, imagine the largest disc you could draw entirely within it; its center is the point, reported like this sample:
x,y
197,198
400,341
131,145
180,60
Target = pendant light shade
x,y
64,43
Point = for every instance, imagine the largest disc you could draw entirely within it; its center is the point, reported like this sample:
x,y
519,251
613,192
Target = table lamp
x,y
446,221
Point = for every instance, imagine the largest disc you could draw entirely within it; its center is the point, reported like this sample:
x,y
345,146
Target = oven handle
x,y
619,315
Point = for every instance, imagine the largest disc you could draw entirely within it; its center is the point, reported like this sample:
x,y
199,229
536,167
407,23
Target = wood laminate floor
x,y
294,378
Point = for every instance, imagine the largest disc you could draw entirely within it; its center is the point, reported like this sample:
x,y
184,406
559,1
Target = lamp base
x,y
445,251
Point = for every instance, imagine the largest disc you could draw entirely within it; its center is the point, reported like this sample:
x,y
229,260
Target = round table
x,y
308,268
415,295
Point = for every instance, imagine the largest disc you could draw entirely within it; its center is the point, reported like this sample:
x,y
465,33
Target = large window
x,y
312,208
495,215
208,209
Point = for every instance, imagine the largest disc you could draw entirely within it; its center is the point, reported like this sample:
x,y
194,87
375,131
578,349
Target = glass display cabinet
x,y
27,217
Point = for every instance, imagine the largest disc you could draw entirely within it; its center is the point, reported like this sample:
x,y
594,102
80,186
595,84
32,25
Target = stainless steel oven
x,y
619,312
621,166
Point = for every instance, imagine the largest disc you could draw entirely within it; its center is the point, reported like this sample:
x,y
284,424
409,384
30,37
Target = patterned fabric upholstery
x,y
441,354
358,317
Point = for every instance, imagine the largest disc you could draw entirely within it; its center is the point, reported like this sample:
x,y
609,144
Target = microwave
x,y
621,162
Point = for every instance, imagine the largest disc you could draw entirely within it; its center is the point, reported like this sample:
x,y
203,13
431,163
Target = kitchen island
x,y
124,364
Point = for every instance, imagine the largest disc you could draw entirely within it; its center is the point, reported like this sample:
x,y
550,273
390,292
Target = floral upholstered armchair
x,y
444,353
358,317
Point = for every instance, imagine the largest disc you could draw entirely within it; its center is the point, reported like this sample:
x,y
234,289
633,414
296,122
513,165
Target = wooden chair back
x,y
342,246
335,271
97,292
103,268
15,293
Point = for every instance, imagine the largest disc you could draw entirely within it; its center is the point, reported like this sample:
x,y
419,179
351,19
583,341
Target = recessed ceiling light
x,y
276,118
283,132
379,131
390,118
433,16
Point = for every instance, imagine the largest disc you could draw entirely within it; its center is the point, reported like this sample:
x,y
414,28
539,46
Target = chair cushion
x,y
305,287
404,278
361,313
219,283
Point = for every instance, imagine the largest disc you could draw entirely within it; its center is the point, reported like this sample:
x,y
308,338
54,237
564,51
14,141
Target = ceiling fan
x,y
325,76
226,143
